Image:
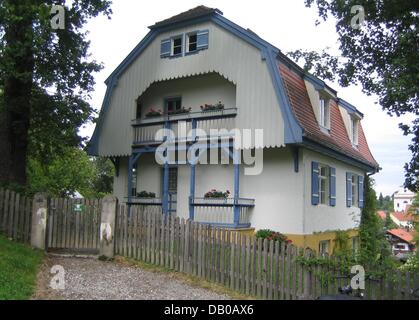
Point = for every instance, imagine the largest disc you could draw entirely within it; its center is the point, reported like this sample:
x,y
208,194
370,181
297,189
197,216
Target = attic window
x,y
177,45
354,131
324,113
192,42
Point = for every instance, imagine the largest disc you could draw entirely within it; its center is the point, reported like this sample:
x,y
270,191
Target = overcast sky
x,y
288,25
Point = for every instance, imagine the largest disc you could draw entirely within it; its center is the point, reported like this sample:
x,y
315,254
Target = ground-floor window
x,y
354,185
324,184
324,247
355,245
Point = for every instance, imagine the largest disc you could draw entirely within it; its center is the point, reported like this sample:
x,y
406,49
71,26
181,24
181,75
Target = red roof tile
x,y
401,216
338,138
402,234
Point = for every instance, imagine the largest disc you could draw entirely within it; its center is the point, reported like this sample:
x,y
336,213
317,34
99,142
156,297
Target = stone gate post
x,y
107,226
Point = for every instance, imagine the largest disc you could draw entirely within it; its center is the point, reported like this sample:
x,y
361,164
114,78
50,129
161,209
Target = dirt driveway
x,y
91,279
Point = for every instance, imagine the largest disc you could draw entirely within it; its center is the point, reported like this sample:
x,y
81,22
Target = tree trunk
x,y
18,82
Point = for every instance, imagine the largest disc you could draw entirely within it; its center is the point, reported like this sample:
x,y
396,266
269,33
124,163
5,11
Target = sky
x,y
288,25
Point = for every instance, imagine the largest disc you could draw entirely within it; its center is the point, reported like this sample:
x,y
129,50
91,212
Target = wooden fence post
x,y
107,226
39,220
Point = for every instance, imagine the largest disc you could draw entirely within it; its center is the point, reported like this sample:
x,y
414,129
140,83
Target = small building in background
x,y
402,198
402,243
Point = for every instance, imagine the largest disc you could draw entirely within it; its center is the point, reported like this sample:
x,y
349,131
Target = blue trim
x,y
315,196
166,188
349,189
332,187
293,131
228,225
361,189
349,107
312,145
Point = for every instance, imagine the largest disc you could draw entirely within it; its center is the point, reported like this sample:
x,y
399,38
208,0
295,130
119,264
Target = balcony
x,y
146,130
228,212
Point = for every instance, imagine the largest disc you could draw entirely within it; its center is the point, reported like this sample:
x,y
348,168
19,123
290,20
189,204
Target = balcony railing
x,y
223,202
146,130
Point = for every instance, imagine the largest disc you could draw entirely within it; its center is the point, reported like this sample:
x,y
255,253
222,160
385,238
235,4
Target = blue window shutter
x,y
361,191
202,38
165,48
332,187
348,189
315,183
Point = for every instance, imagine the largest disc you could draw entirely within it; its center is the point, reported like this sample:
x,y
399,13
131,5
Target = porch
x,y
233,211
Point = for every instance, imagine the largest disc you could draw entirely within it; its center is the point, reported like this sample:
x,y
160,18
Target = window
x,y
324,247
355,245
172,179
324,184
192,42
173,104
354,131
139,106
177,45
354,185
324,113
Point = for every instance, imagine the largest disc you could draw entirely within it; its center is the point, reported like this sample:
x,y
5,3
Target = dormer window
x,y
354,131
324,113
192,42
177,45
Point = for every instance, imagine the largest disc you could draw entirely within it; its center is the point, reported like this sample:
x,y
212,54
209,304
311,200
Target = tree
x,y
382,56
69,172
374,250
380,201
46,76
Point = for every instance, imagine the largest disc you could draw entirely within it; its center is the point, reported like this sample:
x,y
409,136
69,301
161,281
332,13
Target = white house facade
x,y
199,71
402,198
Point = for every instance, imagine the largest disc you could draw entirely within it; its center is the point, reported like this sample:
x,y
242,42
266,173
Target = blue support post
x,y
130,168
192,193
166,189
192,177
236,208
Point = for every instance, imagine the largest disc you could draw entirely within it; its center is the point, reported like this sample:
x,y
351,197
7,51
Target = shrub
x,y
145,194
272,235
217,194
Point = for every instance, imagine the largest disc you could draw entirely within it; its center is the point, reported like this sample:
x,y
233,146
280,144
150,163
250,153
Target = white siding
x,y
227,55
324,217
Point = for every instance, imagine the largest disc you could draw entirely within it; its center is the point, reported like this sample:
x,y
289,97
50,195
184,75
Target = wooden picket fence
x,y
15,215
264,269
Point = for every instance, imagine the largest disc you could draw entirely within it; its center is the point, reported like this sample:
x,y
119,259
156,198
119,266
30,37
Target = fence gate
x,y
73,225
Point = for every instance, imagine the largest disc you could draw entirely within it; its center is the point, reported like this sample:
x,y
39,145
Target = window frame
x,y
326,179
188,42
354,131
355,191
321,243
172,49
324,112
171,99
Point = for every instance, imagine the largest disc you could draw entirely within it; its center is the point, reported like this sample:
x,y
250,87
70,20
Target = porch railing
x,y
222,212
146,130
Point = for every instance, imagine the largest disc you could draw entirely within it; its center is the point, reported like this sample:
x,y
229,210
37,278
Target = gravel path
x,y
91,279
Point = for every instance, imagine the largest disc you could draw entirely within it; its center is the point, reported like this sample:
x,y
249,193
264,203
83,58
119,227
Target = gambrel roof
x,y
301,127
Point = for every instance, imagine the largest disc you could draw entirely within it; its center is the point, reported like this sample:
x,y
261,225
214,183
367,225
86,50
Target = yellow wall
x,y
312,240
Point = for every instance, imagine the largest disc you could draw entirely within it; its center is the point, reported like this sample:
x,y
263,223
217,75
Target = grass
x,y
185,278
19,264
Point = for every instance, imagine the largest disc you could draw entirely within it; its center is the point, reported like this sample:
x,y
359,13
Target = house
x,y
402,243
286,154
402,199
